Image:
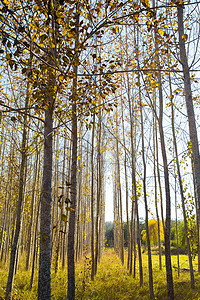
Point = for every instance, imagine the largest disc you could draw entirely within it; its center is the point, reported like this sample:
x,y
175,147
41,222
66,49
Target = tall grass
x,y
112,281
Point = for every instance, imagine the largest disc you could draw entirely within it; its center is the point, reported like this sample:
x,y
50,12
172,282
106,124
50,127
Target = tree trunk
x,y
167,227
30,225
189,103
177,241
121,228
126,184
35,245
72,217
145,197
156,193
170,286
92,201
22,181
44,280
134,195
97,225
182,193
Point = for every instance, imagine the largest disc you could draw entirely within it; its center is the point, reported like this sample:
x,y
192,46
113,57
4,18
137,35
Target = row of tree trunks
x,y
53,221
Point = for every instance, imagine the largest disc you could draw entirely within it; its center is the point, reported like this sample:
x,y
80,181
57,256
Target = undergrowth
x,y
112,281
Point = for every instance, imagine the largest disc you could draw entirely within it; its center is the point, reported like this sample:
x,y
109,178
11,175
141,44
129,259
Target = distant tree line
x,y
177,237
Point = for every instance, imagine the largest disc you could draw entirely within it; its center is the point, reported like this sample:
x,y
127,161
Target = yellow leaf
x,y
149,25
60,78
69,209
64,218
71,33
136,16
145,3
184,37
161,31
180,3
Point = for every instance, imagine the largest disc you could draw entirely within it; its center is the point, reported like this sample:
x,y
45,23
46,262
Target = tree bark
x,y
92,201
189,104
72,217
156,193
44,280
22,181
145,198
30,225
170,286
182,193
126,185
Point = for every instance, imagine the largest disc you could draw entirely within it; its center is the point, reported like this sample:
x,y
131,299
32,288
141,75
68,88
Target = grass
x,y
112,281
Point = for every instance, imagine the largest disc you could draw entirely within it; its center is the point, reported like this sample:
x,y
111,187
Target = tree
x,y
71,232
153,232
189,101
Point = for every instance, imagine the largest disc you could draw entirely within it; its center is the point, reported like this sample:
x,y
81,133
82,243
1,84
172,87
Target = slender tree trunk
x,y
97,225
159,178
92,200
167,227
19,205
197,216
126,183
131,239
72,217
156,193
121,229
44,279
65,240
30,225
177,241
170,286
7,205
71,232
115,212
182,193
189,103
35,246
145,198
62,234
134,196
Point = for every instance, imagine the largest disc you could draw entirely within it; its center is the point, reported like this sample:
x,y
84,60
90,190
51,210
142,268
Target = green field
x,y
111,282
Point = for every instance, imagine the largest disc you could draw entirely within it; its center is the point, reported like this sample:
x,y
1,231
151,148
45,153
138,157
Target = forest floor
x,y
112,281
